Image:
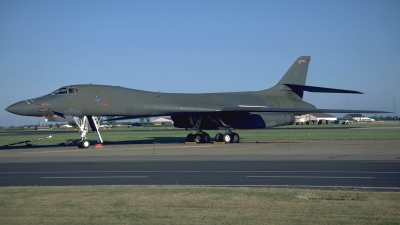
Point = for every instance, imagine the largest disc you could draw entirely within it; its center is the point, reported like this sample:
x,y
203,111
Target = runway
x,y
371,165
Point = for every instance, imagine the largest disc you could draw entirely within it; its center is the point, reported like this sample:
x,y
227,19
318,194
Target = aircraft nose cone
x,y
19,108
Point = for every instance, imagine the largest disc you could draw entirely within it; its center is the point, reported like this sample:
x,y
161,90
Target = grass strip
x,y
195,205
131,135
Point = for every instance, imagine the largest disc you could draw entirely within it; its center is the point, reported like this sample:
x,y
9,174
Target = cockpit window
x,y
60,91
63,91
73,90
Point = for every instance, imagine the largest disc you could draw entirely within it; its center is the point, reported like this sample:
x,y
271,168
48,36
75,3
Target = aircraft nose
x,y
19,108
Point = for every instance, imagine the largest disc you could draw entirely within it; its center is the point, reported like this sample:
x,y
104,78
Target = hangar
x,y
162,121
358,117
315,117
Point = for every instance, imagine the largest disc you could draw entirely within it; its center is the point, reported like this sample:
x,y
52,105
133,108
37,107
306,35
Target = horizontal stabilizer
x,y
298,89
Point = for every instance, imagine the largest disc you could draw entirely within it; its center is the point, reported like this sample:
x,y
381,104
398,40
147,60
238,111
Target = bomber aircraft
x,y
276,106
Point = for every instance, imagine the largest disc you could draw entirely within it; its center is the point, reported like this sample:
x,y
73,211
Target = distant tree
x,y
144,121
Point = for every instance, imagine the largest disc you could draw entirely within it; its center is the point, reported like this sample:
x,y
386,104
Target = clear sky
x,y
200,46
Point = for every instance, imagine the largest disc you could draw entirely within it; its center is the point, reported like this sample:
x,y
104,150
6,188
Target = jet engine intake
x,y
277,119
262,120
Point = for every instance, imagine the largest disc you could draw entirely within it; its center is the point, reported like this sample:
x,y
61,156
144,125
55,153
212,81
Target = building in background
x,y
358,118
316,118
162,121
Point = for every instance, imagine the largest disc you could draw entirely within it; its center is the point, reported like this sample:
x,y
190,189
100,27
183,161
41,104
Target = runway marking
x,y
312,177
102,177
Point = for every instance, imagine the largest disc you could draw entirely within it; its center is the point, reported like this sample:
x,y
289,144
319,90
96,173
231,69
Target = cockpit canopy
x,y
65,90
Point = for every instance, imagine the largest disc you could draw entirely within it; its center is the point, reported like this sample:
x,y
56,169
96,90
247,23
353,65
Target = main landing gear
x,y
200,137
82,123
203,137
228,137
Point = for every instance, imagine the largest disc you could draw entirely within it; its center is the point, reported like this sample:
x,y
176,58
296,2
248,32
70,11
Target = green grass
x,y
188,205
171,134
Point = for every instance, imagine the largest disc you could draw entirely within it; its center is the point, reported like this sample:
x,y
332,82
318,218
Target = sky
x,y
200,46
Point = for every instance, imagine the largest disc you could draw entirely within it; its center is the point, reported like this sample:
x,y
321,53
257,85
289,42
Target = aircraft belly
x,y
73,112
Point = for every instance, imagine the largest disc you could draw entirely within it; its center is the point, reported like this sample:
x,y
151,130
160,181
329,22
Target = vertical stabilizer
x,y
297,74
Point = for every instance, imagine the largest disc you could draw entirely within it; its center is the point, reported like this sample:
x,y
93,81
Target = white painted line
x,y
102,177
311,177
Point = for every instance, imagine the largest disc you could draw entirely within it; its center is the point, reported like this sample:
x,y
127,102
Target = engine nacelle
x,y
262,120
277,119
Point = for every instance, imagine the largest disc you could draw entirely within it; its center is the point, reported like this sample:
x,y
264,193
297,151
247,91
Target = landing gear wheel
x,y
190,138
202,138
82,123
198,138
235,138
83,144
206,138
219,138
227,138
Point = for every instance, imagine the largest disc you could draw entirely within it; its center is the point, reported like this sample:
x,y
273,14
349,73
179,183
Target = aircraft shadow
x,y
152,140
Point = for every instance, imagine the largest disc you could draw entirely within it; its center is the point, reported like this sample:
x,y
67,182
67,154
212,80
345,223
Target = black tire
x,y
190,138
198,138
206,138
85,144
219,138
235,138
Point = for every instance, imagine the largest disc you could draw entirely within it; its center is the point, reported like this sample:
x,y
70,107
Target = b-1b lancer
x,y
276,106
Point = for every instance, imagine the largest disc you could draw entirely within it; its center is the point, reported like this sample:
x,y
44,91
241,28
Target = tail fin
x,y
297,75
292,84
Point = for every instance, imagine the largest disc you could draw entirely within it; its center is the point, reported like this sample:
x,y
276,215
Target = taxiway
x,y
315,164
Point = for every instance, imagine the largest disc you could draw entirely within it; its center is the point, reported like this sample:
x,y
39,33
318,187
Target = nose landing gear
x,y
83,144
82,123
